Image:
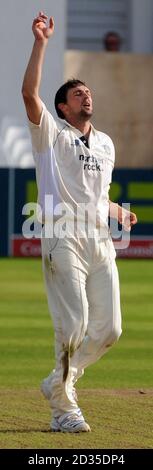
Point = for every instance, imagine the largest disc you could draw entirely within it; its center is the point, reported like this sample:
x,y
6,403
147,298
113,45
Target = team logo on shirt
x,y
76,143
91,163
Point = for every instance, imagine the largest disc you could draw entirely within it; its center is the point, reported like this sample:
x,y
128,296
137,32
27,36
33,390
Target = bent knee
x,y
110,336
114,336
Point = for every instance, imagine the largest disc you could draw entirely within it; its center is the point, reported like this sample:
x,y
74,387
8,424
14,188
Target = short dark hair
x,y
61,95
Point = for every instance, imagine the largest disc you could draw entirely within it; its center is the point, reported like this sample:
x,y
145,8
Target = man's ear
x,y
62,107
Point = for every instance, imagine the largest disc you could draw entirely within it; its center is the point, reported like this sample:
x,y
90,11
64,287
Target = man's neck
x,y
83,126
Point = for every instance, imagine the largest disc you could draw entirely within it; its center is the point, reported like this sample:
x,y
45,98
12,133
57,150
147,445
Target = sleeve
x,y
111,152
109,162
44,133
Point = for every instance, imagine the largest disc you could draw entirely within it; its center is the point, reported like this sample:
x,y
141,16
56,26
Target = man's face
x,y
112,43
79,103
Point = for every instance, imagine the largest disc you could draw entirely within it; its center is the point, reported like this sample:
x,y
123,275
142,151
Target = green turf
x,y
118,420
27,344
115,393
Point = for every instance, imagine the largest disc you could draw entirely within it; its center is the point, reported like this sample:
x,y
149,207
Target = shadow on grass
x,y
5,431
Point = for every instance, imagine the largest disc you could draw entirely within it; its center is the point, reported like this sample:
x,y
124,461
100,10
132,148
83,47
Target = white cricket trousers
x,y
82,286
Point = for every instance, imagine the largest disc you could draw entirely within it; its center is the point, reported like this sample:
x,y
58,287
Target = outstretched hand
x,y
40,29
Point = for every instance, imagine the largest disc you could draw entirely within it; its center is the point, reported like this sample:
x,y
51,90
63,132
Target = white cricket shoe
x,y
70,422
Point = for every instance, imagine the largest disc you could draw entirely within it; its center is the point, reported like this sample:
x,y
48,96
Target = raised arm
x,y
32,78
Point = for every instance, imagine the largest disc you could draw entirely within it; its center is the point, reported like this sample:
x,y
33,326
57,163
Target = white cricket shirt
x,y
67,169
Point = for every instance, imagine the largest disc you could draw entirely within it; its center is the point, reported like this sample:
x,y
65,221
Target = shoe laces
x,y
73,417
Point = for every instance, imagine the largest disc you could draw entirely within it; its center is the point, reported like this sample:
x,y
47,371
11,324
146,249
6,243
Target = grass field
x,y
115,394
